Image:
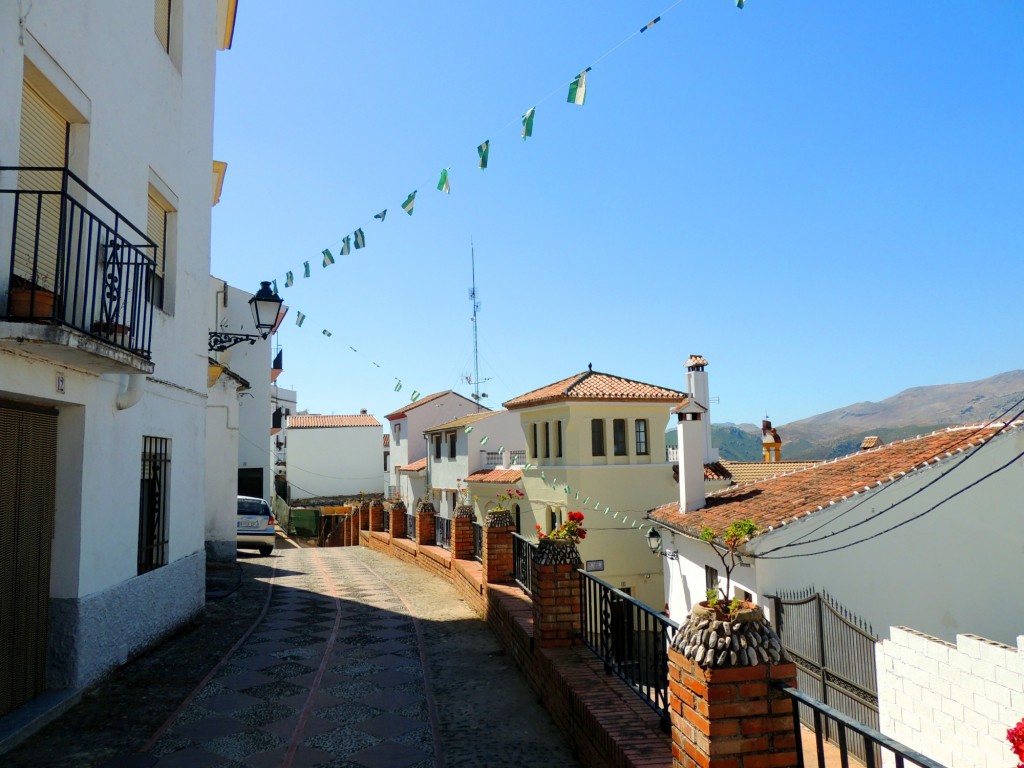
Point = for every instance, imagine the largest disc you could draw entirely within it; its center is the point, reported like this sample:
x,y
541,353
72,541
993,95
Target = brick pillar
x,y
724,709
497,547
556,593
377,515
397,520
364,517
425,523
462,533
350,526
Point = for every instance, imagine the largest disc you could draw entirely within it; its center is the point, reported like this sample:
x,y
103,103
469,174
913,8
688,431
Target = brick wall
x,y
952,703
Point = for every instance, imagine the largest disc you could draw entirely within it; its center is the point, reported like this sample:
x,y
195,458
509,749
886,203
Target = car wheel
x,y
265,551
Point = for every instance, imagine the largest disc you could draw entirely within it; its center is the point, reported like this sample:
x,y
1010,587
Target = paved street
x,y
355,661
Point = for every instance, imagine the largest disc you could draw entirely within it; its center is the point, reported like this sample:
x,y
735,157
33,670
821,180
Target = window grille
x,y
619,436
597,437
153,503
641,437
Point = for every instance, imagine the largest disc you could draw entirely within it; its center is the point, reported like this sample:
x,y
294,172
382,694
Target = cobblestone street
x,y
353,660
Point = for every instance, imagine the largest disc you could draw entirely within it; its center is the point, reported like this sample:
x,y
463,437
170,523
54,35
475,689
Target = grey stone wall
x,y
91,635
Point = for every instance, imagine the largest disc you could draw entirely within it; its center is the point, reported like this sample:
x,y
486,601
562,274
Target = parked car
x,y
255,525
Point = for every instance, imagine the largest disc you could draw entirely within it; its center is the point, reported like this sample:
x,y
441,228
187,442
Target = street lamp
x,y
265,306
656,545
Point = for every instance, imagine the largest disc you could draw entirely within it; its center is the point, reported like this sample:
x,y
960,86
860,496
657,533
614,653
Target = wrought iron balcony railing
x,y
75,260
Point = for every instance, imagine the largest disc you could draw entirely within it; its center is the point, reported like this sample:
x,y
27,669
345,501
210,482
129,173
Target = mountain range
x,y
913,411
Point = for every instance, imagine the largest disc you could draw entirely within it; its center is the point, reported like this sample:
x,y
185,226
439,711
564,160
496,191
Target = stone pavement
x,y
358,661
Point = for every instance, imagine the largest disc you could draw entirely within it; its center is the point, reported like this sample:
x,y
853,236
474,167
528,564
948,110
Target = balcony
x,y
81,277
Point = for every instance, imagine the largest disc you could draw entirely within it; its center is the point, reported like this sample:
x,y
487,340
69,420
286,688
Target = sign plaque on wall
x,y
595,565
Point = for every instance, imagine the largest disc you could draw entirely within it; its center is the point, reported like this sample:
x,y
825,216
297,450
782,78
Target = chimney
x,y
771,443
690,415
697,386
362,411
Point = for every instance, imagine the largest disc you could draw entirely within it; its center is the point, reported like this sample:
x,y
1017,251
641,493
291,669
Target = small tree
x,y
736,534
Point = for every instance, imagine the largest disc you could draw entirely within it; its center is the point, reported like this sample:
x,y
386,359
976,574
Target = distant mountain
x,y
914,411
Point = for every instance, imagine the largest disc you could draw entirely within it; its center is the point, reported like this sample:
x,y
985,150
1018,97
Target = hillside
x,y
913,411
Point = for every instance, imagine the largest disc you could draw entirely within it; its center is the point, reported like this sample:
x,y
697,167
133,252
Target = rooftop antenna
x,y
476,351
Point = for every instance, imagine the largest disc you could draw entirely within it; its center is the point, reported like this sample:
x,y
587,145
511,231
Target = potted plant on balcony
x,y
500,516
718,602
26,299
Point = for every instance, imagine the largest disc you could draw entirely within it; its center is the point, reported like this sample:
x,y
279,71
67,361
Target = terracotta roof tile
x,y
463,421
777,500
695,360
423,401
503,476
716,471
416,466
749,471
591,385
313,420
387,441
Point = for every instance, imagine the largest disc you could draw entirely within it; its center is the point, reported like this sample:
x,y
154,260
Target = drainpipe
x,y
132,392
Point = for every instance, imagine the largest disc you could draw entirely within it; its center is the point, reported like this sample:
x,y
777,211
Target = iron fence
x,y
852,739
630,638
387,520
478,542
443,532
518,458
88,268
410,525
522,562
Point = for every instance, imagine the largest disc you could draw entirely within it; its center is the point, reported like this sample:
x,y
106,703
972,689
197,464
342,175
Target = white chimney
x,y
690,415
697,386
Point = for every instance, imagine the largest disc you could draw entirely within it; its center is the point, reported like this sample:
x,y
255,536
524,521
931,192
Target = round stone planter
x,y
464,512
557,552
716,637
499,518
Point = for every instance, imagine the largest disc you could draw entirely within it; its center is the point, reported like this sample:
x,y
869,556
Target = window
x,y
386,457
597,437
153,492
437,446
519,520
547,439
398,431
641,437
710,577
558,439
553,519
619,436
157,215
452,442
533,441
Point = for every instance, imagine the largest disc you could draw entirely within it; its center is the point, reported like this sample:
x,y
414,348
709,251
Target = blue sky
x,y
823,199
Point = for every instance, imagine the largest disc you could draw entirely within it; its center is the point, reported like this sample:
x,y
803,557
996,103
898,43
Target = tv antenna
x,y
473,297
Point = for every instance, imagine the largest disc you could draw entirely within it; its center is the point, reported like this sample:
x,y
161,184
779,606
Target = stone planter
x,y
499,518
557,552
464,512
715,638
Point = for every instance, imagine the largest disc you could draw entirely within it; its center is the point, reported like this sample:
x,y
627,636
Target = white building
x,y
224,393
408,446
103,399
334,455
458,448
283,403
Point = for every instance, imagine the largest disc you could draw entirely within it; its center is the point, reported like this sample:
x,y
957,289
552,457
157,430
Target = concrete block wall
x,y
952,703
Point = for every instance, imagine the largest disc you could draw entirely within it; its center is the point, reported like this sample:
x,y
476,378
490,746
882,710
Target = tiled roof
x,y
312,420
387,441
591,385
463,421
695,360
782,499
687,403
423,401
749,471
871,441
716,471
416,466
503,476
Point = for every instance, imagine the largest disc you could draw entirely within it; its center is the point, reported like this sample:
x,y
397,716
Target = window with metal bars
x,y
153,502
619,437
710,578
641,437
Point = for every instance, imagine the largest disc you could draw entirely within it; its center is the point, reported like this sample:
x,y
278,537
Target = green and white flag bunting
x,y
346,245
484,439
739,4
586,501
650,24
275,286
410,201
415,396
398,385
299,318
483,151
528,122
443,184
530,466
360,239
501,449
289,280
468,430
327,333
381,215
607,510
328,258
577,495
578,89
305,269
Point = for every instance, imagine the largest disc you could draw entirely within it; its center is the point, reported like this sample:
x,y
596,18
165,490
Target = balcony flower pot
x,y
20,303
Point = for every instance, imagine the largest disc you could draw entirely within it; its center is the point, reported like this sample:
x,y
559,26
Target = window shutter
x,y
156,230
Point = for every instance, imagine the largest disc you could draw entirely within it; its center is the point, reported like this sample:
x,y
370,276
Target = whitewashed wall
x,y
221,469
951,702
334,461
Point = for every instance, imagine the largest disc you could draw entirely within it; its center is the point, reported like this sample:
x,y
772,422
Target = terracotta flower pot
x,y
20,303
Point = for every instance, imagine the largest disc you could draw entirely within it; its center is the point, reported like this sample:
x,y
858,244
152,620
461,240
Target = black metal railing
x,y
387,520
410,525
86,267
478,542
630,638
443,532
848,737
522,562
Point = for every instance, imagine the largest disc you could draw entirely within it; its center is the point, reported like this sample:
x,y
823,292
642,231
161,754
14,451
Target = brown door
x,y
28,466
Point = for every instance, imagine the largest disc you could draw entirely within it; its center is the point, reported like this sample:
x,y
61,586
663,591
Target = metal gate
x,y
28,466
834,653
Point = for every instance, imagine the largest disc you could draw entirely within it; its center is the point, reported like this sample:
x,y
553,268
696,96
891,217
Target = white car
x,y
255,525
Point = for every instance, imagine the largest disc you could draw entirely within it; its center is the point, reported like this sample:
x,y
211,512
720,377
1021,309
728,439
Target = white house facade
x,y
333,455
224,393
103,355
